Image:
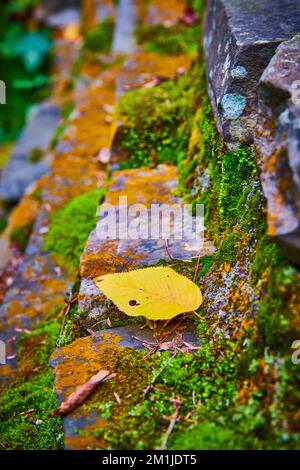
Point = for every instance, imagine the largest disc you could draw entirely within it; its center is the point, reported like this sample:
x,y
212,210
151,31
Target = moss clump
x,y
3,223
207,436
71,226
158,120
35,155
35,430
172,40
20,236
100,39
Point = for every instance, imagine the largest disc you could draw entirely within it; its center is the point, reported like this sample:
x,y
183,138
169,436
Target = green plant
x,y
169,40
100,39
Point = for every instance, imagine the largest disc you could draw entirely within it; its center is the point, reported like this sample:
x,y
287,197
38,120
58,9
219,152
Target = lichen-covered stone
x,y
75,364
278,144
240,39
102,256
145,69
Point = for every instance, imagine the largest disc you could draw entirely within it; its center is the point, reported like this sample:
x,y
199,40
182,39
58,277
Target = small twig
x,y
150,386
197,314
171,256
173,420
197,267
168,333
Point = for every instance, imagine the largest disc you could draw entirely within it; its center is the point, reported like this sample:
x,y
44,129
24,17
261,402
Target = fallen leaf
x,y
82,392
158,293
90,332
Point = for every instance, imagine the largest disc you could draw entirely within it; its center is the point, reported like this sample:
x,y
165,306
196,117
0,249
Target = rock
x,y
146,69
160,12
20,172
119,251
240,39
62,18
56,6
118,351
124,42
278,145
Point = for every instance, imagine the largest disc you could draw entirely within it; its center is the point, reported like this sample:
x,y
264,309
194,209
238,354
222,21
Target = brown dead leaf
x,y
82,392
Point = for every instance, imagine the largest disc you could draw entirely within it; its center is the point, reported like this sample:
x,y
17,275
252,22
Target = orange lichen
x,y
76,363
144,66
161,11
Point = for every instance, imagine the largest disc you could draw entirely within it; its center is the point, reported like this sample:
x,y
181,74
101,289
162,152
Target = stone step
x,y
119,350
139,186
42,282
20,171
74,364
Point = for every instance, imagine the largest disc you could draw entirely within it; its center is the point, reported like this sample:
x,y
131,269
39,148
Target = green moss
x,y
227,251
100,39
207,436
170,40
158,120
71,226
3,223
35,155
59,131
36,430
235,221
20,236
206,263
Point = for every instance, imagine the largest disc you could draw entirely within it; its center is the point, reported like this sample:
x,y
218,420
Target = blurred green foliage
x,y
24,63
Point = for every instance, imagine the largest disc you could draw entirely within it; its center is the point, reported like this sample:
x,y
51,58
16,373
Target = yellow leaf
x,y
155,293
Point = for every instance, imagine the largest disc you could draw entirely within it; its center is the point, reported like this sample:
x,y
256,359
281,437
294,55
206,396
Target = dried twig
x,y
173,419
171,256
197,267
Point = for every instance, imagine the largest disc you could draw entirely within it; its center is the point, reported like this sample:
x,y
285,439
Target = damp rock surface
x,y
240,39
278,144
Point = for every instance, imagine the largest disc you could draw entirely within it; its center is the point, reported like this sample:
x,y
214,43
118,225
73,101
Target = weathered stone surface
x,y
63,17
111,349
124,42
101,256
20,172
278,144
240,39
40,284
160,11
142,69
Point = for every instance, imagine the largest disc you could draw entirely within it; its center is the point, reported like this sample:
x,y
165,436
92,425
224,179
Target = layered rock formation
x,y
253,88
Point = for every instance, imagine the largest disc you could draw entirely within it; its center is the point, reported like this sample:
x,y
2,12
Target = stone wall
x,y
252,71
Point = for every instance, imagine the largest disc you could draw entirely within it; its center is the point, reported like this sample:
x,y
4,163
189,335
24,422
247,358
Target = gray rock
x,y
63,18
110,250
240,39
20,172
124,42
278,144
